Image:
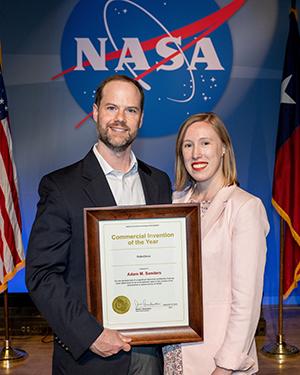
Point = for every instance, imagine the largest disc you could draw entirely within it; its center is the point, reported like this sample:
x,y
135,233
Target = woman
x,y
233,229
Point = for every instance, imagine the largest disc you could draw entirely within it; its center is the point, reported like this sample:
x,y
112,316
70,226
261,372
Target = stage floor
x,y
39,348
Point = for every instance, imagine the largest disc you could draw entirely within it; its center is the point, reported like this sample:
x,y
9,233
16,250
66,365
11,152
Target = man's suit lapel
x,y
150,186
216,209
96,187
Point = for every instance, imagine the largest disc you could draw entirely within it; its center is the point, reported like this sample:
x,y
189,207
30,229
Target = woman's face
x,y
202,151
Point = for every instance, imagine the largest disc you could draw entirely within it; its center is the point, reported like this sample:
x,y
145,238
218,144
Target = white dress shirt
x,y
126,187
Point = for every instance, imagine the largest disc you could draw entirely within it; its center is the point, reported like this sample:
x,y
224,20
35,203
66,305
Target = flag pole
x,y
280,350
8,354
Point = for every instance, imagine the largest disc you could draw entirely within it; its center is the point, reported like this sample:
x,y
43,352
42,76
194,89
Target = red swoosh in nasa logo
x,y
205,25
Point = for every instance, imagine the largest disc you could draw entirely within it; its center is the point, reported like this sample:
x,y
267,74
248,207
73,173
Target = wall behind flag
x,y
241,82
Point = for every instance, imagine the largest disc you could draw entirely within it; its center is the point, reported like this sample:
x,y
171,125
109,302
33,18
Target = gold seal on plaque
x,y
121,304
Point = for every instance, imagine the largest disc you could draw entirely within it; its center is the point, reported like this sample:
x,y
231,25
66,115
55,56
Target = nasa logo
x,y
182,55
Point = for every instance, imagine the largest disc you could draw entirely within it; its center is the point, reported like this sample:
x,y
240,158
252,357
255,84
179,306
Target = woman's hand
x,y
221,371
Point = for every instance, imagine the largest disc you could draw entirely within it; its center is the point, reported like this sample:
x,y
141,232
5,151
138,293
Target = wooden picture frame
x,y
99,272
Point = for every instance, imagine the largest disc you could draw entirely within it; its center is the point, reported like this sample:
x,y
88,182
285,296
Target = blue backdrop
x,y
235,71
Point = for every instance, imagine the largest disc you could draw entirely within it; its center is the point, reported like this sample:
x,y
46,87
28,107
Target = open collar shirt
x,y
126,187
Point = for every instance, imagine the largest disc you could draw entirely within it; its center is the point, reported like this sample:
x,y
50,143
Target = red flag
x,y
11,246
286,181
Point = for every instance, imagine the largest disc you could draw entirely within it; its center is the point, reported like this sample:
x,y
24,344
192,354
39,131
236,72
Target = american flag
x,y
11,246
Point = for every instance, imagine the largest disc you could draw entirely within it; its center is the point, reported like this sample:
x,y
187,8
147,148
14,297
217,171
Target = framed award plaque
x,y
143,267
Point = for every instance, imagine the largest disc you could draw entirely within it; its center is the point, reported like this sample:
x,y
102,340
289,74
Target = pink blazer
x,y
234,231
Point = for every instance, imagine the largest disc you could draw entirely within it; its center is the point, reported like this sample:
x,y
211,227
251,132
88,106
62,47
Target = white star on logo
x,y
285,98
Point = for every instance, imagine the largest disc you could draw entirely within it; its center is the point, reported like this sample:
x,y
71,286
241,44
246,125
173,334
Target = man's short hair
x,y
119,77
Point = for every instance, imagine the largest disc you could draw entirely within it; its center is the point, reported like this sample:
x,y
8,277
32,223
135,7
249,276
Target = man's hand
x,y
110,342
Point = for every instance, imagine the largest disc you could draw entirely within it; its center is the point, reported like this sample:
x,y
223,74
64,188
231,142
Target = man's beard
x,y
110,142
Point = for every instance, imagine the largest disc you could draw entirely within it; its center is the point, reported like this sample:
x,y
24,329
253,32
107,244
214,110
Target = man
x,y
109,175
